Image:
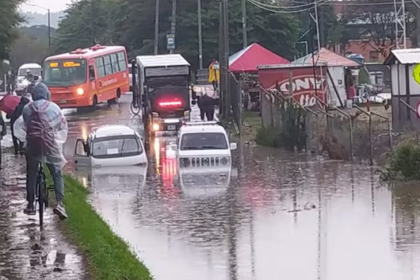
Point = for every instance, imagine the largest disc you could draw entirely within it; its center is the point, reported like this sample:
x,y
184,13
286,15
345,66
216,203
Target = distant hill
x,y
42,19
38,31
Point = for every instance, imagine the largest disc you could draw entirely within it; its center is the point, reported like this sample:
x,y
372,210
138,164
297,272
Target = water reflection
x,y
266,219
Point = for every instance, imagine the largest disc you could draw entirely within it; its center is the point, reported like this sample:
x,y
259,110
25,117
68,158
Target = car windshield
x,y
116,146
34,71
64,72
204,141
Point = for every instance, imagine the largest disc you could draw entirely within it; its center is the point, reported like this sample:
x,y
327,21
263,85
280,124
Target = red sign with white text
x,y
305,83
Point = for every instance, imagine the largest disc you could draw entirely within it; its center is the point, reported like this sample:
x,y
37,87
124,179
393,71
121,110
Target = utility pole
x,y
224,59
244,31
92,23
221,60
156,47
322,38
49,31
173,22
200,35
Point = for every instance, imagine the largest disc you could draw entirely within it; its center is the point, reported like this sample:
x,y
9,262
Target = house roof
x,y
405,56
327,57
248,59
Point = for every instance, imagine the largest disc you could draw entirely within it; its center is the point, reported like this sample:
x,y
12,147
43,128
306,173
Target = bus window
x,y
91,73
114,61
100,67
63,72
107,64
122,61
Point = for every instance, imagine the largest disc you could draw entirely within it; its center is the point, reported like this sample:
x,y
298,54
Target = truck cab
x,y
164,89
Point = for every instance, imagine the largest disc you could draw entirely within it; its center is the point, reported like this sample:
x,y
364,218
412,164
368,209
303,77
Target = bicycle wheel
x,y
41,199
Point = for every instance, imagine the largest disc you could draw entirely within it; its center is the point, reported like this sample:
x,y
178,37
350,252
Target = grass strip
x,y
108,256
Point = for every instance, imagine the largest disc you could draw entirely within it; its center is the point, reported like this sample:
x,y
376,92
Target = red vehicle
x,y
86,77
305,82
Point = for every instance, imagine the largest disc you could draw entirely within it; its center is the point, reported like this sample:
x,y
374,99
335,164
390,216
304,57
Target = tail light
x,y
170,103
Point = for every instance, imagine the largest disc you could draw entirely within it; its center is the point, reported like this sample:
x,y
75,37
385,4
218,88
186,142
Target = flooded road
x,y
273,215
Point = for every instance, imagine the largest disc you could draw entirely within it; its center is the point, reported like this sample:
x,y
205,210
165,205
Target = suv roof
x,y
193,127
112,130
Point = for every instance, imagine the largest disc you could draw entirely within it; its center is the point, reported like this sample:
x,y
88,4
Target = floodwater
x,y
273,215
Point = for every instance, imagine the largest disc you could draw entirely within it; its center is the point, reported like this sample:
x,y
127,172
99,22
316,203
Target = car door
x,y
81,156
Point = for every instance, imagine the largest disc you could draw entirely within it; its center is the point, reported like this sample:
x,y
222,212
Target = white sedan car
x,y
111,145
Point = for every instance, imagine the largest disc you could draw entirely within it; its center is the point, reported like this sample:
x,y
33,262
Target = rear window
x,y
116,146
204,141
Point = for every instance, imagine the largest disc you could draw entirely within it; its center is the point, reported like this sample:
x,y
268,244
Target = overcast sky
x,y
53,5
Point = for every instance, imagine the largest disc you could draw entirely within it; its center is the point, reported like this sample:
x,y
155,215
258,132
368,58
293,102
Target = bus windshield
x,y
65,72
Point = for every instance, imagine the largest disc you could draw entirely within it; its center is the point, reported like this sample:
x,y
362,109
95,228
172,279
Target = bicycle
x,y
41,193
135,105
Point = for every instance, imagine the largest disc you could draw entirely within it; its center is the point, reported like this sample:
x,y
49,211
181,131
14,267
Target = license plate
x,y
171,127
63,101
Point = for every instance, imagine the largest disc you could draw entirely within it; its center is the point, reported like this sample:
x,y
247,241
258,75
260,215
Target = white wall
x,y
398,80
337,75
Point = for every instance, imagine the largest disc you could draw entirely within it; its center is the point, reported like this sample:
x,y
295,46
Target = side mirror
x,y
36,78
233,146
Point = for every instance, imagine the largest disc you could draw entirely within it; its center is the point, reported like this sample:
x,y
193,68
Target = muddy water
x,y
278,216
25,251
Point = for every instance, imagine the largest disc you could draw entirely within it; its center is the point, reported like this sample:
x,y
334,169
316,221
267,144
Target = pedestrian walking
x,y
17,145
207,107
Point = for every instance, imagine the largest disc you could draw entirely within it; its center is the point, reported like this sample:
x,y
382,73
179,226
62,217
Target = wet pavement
x,y
273,215
25,251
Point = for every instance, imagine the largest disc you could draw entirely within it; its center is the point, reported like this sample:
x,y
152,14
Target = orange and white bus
x,y
86,77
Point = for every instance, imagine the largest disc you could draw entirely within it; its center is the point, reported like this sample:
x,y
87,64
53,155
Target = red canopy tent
x,y
248,59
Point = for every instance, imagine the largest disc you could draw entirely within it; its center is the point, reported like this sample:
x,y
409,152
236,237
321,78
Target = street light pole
x,y
200,35
156,48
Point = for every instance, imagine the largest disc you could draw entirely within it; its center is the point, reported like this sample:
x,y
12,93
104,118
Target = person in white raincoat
x,y
43,128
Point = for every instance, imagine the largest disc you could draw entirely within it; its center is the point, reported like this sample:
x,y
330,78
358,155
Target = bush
x,y
404,162
267,137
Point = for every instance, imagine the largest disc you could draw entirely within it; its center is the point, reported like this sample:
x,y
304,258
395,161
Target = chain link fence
x,y
342,134
235,93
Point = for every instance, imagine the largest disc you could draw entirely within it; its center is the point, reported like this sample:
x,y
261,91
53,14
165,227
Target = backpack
x,y
40,133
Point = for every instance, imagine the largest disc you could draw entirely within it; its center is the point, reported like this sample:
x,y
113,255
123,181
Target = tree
x,y
375,20
9,21
131,23
28,48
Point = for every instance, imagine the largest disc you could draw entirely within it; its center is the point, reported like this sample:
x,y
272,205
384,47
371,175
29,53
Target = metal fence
x,y
349,134
235,94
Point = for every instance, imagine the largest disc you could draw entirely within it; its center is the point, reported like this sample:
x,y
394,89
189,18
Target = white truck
x,y
22,83
164,89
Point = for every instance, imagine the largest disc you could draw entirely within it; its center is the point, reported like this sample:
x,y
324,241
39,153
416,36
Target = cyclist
x,y
46,132
29,75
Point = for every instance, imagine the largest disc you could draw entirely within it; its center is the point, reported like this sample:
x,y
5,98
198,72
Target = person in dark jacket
x,y
206,105
17,145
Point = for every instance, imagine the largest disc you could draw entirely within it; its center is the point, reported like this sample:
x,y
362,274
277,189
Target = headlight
x,y
80,91
185,162
224,160
155,127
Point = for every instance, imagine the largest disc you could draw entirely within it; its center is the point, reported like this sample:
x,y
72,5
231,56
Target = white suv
x,y
203,144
